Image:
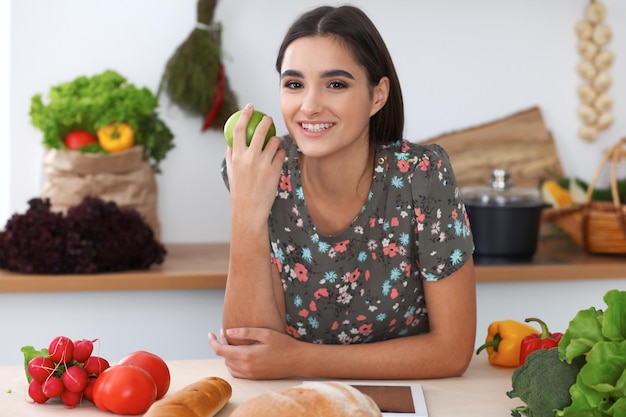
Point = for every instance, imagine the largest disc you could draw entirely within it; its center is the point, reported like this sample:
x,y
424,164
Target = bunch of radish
x,y
67,370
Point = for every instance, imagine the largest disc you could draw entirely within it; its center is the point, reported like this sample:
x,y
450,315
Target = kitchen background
x,y
461,63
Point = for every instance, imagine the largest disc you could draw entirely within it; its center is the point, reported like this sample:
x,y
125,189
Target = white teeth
x,y
317,127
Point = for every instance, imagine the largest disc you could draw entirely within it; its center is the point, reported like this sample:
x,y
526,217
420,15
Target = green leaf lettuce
x,y
600,388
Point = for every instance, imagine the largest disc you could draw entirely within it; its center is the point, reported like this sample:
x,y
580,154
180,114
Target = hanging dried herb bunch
x,y
194,76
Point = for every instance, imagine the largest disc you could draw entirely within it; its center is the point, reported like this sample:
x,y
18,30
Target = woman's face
x,y
325,97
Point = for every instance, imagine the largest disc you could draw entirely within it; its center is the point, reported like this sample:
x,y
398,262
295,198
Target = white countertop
x,y
480,392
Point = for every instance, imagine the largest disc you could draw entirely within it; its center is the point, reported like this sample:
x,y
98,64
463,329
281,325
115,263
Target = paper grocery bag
x,y
124,177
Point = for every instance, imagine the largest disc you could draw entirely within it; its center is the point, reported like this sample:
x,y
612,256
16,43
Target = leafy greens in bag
x,y
89,103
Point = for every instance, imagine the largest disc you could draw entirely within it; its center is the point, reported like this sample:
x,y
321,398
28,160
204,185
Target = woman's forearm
x,y
413,357
249,299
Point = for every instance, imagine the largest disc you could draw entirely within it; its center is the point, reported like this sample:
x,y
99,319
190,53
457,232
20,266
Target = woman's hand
x,y
253,171
266,354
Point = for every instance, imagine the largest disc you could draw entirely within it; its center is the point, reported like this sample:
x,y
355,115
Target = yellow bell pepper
x,y
504,341
116,137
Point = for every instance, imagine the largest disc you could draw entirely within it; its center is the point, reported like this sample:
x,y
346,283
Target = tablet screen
x,y
390,398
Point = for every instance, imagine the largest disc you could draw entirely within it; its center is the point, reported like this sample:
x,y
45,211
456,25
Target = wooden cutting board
x,y
520,142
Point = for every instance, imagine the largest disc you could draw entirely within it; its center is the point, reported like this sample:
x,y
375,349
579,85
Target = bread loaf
x,y
317,399
203,398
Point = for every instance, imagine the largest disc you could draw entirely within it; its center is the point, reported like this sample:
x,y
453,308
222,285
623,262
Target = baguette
x,y
317,399
203,398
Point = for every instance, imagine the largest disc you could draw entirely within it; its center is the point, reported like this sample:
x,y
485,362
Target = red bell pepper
x,y
545,340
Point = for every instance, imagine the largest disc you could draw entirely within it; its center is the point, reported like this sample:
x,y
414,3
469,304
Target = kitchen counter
x,y
205,266
481,391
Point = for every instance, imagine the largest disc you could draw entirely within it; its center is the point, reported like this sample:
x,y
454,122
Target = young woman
x,y
351,252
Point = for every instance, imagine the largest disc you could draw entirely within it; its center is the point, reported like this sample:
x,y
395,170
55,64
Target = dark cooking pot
x,y
504,219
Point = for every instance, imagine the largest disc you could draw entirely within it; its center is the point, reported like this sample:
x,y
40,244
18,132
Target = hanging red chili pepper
x,y
217,100
545,340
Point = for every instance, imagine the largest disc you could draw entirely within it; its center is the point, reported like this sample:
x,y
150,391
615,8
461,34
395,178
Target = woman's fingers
x,y
239,133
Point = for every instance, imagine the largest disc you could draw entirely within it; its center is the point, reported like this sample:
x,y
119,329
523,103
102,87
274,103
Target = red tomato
x,y
124,389
154,365
76,139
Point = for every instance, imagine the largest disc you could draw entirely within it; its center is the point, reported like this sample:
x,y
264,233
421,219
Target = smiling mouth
x,y
316,127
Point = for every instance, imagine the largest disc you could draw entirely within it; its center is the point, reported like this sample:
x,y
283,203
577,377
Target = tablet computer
x,y
395,399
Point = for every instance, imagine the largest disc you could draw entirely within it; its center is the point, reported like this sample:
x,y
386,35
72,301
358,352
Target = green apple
x,y
229,127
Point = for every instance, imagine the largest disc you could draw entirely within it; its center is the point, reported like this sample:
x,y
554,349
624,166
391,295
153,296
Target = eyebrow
x,y
325,74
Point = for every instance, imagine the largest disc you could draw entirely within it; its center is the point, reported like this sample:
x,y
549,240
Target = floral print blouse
x,y
365,283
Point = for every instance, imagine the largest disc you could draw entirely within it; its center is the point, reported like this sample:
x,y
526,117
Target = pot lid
x,y
501,192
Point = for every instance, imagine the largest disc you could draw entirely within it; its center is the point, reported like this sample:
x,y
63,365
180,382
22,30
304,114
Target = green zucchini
x,y
578,189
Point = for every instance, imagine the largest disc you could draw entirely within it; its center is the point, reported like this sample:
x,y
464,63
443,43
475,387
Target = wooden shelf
x,y
557,258
186,266
205,266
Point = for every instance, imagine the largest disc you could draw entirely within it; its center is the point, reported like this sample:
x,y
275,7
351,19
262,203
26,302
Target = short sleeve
x,y
445,240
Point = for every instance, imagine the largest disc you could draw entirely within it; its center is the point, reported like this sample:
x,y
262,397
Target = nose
x,y
312,102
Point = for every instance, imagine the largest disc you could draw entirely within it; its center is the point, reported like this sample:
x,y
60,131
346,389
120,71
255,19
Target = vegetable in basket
x,y
90,103
116,137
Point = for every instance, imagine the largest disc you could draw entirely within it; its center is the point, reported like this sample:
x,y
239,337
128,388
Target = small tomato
x,y
154,365
76,139
124,389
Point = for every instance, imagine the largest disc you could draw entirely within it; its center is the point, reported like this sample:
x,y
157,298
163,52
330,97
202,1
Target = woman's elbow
x,y
461,363
458,359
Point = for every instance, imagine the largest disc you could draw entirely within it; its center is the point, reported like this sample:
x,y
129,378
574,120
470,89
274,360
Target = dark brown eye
x,y
293,85
337,85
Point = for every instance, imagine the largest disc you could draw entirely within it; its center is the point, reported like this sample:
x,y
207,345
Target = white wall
x,y
5,131
461,63
171,324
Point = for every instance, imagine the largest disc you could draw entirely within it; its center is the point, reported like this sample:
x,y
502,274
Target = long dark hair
x,y
358,33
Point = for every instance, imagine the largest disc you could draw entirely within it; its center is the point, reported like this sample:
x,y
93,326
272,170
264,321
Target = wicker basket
x,y
597,226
